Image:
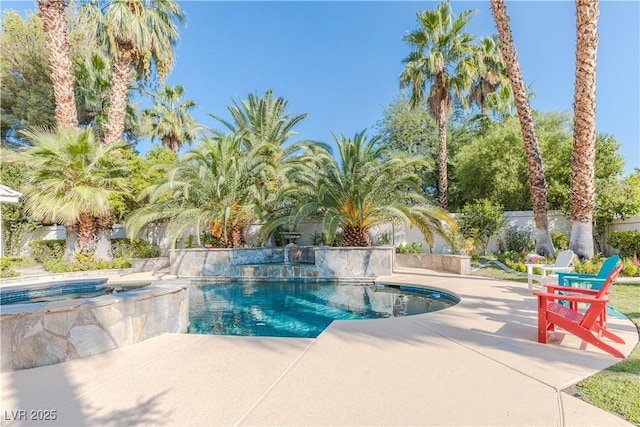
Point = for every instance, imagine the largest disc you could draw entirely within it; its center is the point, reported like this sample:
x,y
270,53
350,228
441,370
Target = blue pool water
x,y
293,309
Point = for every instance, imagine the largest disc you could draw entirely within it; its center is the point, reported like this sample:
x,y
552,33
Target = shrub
x,y
413,248
134,248
6,267
208,239
560,240
481,221
588,267
519,240
45,250
85,263
513,260
626,242
629,268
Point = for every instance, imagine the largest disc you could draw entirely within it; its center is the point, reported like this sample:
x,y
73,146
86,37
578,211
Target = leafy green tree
x,y
141,172
70,180
170,118
141,36
413,131
481,221
15,225
616,199
441,55
364,187
213,188
25,85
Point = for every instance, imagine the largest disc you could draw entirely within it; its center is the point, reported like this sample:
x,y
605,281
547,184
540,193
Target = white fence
x,y
389,234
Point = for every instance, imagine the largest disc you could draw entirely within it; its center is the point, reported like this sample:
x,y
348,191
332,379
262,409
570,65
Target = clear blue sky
x,y
339,62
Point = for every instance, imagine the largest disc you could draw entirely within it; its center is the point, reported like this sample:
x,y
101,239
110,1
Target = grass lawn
x,y
616,389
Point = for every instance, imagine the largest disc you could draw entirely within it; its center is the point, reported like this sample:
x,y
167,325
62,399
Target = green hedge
x,y
85,264
413,248
134,248
626,242
45,250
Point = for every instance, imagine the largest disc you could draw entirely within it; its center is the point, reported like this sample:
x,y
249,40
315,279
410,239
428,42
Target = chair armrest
x,y
571,298
561,288
559,269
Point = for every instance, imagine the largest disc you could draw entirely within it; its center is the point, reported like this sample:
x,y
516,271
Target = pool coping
x,y
448,367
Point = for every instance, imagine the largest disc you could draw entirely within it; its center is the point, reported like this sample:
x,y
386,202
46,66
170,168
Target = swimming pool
x,y
298,309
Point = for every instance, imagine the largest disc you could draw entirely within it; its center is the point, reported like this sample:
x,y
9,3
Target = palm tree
x,y
441,55
265,126
141,35
364,188
170,118
54,20
70,180
491,89
213,188
584,130
93,77
537,182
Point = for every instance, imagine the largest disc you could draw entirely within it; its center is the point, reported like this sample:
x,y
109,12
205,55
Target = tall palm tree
x,y
93,77
212,188
441,55
70,180
170,118
584,130
54,20
141,35
537,182
491,89
364,188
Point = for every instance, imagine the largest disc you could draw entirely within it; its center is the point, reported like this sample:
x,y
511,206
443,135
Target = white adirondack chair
x,y
563,264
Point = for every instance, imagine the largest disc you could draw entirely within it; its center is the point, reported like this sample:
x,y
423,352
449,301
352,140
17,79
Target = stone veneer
x,y
307,262
459,264
38,334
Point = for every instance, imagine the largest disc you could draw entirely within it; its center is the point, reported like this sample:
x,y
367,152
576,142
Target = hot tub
x,y
50,323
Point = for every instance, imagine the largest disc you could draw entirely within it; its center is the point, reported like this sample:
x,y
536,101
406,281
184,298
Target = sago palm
x,y
141,35
363,188
441,56
213,188
71,179
170,118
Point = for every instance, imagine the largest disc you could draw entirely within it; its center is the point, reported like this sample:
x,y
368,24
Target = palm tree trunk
x,y
119,89
443,183
71,242
537,182
584,130
54,22
104,226
86,233
355,236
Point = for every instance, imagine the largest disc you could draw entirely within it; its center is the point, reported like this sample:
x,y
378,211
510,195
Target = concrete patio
x,y
477,363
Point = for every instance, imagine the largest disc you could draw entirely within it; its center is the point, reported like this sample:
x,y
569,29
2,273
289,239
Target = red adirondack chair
x,y
591,325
